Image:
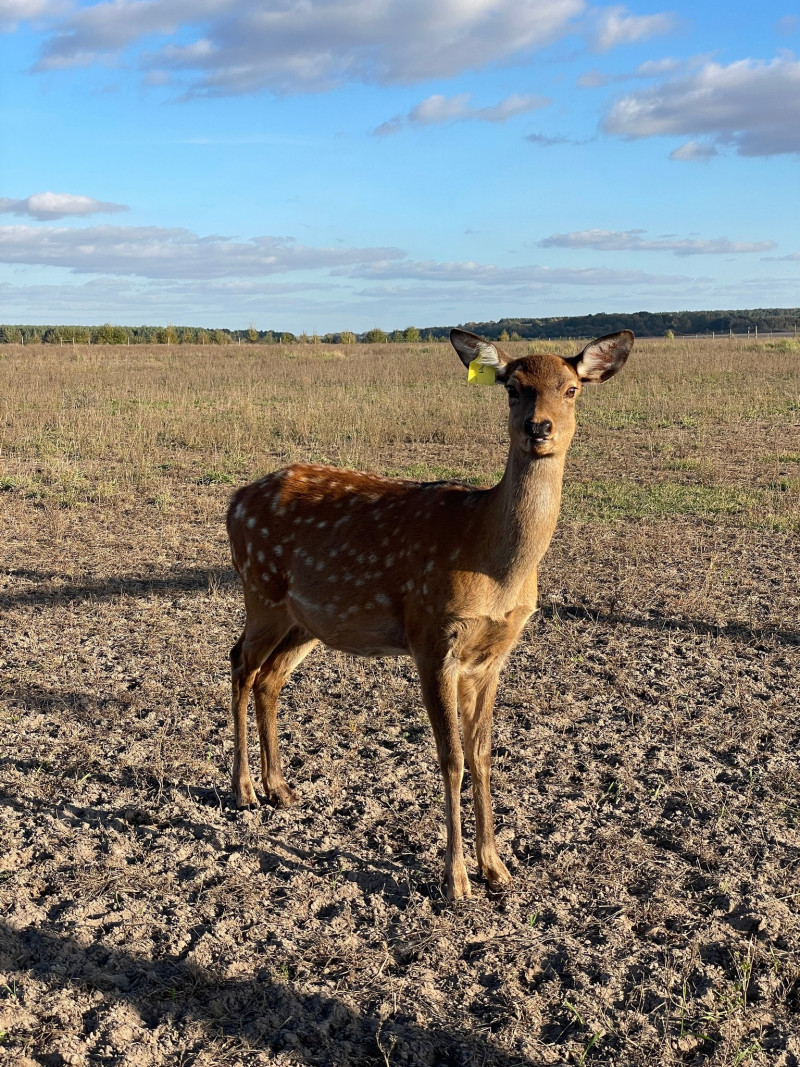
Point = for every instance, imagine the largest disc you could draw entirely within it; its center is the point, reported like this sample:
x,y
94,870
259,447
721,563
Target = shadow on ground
x,y
263,1014
203,579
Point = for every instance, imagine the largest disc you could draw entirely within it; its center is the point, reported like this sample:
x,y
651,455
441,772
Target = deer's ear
x,y
601,359
470,347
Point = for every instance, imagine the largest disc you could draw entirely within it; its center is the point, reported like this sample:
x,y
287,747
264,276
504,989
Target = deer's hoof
x,y
497,875
281,796
244,795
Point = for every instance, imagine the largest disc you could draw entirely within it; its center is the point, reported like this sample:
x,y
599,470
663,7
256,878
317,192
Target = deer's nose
x,y
538,431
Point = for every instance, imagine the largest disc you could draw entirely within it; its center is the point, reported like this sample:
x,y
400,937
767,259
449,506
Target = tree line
x,y
643,323
108,334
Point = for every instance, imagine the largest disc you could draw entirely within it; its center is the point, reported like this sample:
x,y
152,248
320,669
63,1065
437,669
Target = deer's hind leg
x,y
247,656
269,681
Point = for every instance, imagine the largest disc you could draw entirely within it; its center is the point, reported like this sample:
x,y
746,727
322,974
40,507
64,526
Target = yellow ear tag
x,y
481,374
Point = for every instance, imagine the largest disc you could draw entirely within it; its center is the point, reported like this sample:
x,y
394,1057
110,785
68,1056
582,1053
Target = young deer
x,y
438,571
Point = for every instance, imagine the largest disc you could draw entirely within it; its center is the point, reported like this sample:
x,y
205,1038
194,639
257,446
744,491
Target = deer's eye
x,y
572,392
513,395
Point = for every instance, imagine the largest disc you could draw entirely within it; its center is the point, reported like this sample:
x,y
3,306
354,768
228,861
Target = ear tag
x,y
481,373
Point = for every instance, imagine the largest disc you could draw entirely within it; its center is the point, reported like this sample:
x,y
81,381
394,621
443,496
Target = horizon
x,y
316,168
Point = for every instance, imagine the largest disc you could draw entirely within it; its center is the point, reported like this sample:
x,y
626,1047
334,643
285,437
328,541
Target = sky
x,y
325,165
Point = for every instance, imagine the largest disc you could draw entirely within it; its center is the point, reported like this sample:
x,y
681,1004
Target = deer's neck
x,y
522,513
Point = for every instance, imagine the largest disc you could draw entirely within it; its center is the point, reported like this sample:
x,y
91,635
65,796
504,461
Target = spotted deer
x,y
438,571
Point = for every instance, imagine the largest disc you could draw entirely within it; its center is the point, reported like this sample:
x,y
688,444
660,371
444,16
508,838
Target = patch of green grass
x,y
608,501
215,477
785,344
619,419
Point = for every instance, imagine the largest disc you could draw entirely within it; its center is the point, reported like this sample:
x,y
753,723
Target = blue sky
x,y
317,166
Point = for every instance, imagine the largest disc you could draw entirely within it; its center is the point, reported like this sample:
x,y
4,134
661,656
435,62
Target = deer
x,y
439,571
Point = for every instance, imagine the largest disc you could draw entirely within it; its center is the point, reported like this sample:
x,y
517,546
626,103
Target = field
x,y
646,775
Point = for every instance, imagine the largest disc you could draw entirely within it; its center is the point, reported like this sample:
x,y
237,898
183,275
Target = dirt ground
x,y
646,782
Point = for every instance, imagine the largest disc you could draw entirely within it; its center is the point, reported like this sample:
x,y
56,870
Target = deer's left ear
x,y
601,359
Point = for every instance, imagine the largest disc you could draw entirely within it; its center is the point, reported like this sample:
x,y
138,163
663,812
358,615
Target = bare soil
x,y
646,783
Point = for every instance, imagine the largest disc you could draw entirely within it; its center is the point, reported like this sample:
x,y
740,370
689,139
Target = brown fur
x,y
441,572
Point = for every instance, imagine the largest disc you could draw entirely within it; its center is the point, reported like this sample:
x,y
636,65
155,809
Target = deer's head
x,y
542,389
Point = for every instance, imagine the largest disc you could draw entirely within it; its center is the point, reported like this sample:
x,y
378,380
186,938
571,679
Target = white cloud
x,y
236,46
548,142
652,68
489,275
154,252
12,12
696,151
610,27
49,206
632,241
438,109
751,105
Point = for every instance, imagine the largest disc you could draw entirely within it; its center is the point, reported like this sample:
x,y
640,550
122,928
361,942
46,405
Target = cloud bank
x,y
287,46
632,241
156,252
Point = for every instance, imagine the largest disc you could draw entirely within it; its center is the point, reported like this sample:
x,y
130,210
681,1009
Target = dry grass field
x,y
646,779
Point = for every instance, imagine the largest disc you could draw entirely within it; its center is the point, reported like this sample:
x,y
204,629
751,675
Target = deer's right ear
x,y
470,347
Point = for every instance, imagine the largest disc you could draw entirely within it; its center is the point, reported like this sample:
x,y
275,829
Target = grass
x,y
689,428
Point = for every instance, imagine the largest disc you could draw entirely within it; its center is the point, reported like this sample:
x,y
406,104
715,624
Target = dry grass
x,y
690,427
646,745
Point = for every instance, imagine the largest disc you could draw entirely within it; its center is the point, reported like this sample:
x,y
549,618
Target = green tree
x,y
252,334
346,337
503,335
411,334
110,335
375,336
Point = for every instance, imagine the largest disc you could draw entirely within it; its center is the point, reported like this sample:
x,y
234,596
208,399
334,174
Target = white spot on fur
x,y
278,550
382,598
260,556
251,521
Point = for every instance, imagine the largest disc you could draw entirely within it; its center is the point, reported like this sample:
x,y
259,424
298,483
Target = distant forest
x,y
643,323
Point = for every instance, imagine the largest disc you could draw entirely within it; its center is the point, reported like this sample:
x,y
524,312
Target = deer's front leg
x,y
439,692
476,700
